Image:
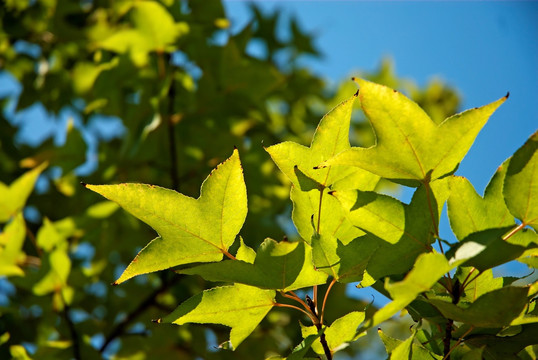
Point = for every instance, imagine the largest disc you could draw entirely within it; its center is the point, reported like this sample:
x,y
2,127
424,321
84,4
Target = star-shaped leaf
x,y
190,230
278,265
521,183
410,147
468,212
239,306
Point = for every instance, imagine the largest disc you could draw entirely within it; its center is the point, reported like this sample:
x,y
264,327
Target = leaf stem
x,y
293,296
514,231
313,318
464,283
225,252
325,299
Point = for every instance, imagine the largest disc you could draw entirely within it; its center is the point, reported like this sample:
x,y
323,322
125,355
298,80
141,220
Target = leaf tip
x,y
115,283
507,95
156,321
331,192
83,184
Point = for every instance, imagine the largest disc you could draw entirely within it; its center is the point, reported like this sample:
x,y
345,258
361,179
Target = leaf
x,y
468,212
11,242
300,350
410,147
521,183
345,263
427,270
400,231
13,197
341,332
297,162
239,307
154,30
488,248
490,310
191,230
278,265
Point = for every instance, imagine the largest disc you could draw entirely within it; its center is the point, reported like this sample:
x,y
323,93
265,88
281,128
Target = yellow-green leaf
x,y
239,306
410,147
191,230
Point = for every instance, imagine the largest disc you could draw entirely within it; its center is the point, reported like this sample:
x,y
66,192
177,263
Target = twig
x,y
72,331
325,298
149,301
447,356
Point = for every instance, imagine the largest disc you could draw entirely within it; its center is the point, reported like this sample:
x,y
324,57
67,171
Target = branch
x,y
149,301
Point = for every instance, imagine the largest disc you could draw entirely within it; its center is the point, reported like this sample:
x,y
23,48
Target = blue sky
x,y
484,49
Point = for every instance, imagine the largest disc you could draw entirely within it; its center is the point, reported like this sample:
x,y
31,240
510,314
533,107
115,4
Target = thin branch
x,y
119,329
72,330
325,299
447,356
464,283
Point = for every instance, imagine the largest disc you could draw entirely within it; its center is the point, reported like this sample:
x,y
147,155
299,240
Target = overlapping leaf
x,y
410,147
401,232
341,332
521,183
489,310
190,230
278,265
468,212
310,186
239,307
427,270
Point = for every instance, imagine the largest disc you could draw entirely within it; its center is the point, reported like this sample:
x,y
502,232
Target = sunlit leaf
x,y
410,147
469,213
338,334
13,197
11,241
278,265
239,307
521,183
191,230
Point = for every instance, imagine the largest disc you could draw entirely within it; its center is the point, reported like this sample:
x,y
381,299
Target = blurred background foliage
x,y
157,92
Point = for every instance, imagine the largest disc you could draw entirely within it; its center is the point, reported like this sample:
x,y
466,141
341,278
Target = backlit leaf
x,y
278,265
469,212
191,230
11,241
239,307
410,147
521,183
13,197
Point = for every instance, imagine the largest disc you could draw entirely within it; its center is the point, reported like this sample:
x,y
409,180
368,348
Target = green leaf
x,y
345,263
191,230
278,265
300,350
341,332
239,307
154,30
468,212
403,350
309,191
11,242
400,231
501,348
521,183
13,197
427,270
410,147
489,248
398,349
490,310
